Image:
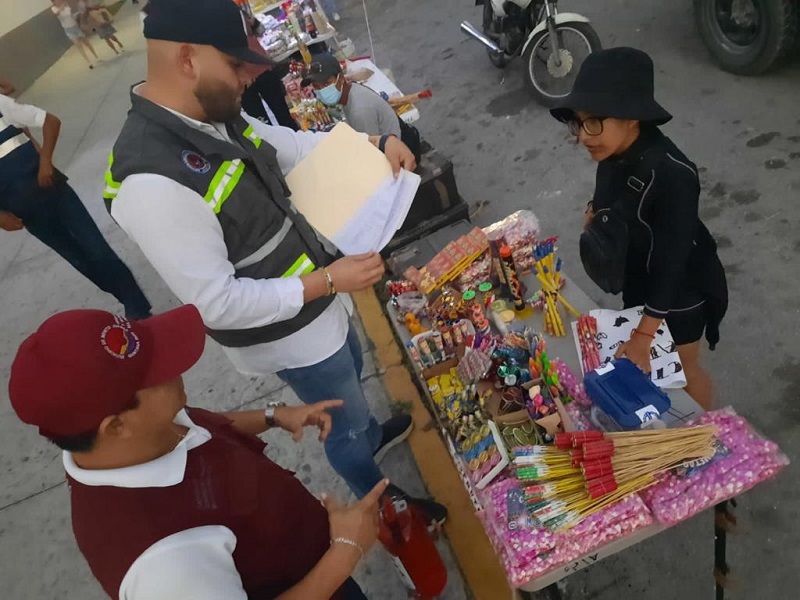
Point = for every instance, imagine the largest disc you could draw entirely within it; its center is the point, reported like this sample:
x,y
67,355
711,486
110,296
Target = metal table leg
x,y
724,519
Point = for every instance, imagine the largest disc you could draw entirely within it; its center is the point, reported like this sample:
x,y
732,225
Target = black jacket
x,y
268,86
672,261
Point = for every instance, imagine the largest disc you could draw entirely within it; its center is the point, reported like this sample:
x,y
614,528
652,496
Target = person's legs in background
x,y
115,39
111,45
77,43
68,228
329,6
83,40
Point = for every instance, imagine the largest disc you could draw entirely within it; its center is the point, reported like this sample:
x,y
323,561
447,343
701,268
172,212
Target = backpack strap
x,y
637,184
643,175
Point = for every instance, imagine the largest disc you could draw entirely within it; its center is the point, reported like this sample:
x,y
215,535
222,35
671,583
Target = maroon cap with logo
x,y
82,366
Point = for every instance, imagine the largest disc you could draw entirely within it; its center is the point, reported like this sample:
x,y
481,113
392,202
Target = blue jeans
x,y
58,218
355,434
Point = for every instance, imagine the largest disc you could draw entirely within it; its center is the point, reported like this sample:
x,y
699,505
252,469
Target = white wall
x,y
14,13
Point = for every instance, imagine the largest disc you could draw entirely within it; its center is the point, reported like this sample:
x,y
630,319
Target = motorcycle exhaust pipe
x,y
471,31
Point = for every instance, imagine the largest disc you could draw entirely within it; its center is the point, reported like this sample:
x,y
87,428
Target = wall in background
x,y
14,13
33,44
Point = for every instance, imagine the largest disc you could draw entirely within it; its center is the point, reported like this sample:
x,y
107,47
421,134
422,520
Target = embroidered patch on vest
x,y
195,162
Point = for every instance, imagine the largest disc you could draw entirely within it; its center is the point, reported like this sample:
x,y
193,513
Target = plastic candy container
x,y
527,553
743,460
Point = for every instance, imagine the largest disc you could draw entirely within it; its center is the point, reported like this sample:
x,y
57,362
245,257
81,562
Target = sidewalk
x,y
38,556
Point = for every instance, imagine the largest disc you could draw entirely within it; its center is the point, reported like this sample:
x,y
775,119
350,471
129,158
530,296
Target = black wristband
x,y
384,139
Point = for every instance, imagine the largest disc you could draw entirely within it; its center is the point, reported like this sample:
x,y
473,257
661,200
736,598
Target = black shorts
x,y
687,325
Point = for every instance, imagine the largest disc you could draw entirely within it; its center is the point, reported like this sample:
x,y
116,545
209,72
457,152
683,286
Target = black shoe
x,y
395,430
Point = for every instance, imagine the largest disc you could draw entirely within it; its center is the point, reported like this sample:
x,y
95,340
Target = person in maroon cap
x,y
175,502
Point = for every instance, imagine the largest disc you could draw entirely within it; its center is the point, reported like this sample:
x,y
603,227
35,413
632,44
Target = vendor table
x,y
683,409
379,82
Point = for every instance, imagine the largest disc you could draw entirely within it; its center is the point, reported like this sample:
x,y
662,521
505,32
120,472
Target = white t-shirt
x,y
20,115
181,236
64,14
195,563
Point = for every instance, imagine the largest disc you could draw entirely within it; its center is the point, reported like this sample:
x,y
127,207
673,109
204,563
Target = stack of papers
x,y
346,190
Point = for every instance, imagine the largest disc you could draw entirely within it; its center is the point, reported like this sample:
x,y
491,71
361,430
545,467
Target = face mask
x,y
329,95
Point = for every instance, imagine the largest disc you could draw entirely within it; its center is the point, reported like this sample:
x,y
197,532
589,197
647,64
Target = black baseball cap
x,y
217,23
324,66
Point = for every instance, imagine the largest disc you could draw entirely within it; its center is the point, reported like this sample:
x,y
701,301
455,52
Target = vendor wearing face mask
x,y
643,235
363,108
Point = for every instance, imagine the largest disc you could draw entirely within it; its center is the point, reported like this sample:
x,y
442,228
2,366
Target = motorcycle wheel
x,y
546,82
747,37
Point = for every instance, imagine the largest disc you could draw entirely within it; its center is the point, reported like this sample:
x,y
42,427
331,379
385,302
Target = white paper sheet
x,y
615,327
346,190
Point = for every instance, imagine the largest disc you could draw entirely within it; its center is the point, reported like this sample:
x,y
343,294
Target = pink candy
x,y
529,553
746,460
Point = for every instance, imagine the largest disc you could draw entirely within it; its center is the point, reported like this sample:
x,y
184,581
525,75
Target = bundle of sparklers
x,y
587,337
548,272
588,470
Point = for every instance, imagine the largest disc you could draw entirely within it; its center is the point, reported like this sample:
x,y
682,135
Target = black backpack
x,y
604,243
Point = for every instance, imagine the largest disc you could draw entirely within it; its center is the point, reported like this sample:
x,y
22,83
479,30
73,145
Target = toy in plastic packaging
x,y
519,231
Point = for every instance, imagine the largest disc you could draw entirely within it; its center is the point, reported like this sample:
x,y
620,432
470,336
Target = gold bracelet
x,y
348,542
328,282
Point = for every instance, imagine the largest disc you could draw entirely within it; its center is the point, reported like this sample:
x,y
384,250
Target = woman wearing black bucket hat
x,y
643,236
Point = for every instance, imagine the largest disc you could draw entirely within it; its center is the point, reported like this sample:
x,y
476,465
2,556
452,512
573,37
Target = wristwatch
x,y
269,413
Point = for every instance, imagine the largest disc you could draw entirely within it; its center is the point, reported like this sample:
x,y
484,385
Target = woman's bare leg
x,y
111,45
85,41
698,382
82,50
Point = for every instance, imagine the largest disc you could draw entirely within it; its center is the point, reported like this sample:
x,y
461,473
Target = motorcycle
x,y
552,45
748,37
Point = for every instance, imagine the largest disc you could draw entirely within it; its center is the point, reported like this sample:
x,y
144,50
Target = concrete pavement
x,y
38,556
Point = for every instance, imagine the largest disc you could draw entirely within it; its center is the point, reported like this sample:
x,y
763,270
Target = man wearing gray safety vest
x,y
34,195
200,187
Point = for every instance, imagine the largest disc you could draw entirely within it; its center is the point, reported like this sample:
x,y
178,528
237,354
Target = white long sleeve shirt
x,y
195,563
181,236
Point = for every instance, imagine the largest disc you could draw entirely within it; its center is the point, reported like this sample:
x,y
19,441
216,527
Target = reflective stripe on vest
x,y
224,183
12,144
268,248
250,134
112,187
11,137
302,266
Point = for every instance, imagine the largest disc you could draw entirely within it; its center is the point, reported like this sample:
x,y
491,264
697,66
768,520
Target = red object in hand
x,y
403,531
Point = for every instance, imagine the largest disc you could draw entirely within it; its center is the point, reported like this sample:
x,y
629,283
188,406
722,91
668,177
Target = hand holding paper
x,y
346,190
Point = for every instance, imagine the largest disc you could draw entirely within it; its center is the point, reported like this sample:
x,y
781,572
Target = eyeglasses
x,y
592,125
